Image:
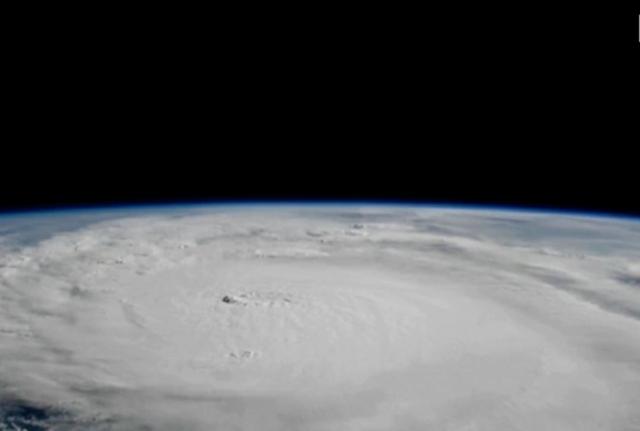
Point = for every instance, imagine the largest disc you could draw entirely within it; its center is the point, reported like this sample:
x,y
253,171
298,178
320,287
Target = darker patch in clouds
x,y
628,279
569,285
22,415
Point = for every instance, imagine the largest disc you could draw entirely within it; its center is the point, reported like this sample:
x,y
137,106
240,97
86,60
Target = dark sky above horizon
x,y
598,182
522,115
506,188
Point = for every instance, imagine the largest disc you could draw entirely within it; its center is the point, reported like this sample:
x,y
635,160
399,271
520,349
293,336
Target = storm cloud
x,y
346,318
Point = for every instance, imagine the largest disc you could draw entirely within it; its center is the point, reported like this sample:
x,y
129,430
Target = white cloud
x,y
435,319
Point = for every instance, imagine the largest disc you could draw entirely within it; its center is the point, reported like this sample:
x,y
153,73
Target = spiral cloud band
x,y
319,318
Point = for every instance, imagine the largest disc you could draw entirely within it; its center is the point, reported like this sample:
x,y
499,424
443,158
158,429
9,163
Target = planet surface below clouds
x,y
319,317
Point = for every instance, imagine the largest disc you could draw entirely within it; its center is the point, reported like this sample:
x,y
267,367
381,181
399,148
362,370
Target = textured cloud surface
x,y
319,318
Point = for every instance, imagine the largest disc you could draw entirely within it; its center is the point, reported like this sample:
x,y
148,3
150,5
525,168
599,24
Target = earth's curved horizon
x,y
319,316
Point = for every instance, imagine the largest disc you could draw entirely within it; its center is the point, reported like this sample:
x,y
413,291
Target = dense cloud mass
x,y
319,318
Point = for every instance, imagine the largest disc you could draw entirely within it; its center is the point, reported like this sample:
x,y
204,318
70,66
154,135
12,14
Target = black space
x,y
388,172
527,105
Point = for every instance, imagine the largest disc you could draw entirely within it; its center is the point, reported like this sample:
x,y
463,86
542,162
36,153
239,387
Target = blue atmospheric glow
x,y
118,208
